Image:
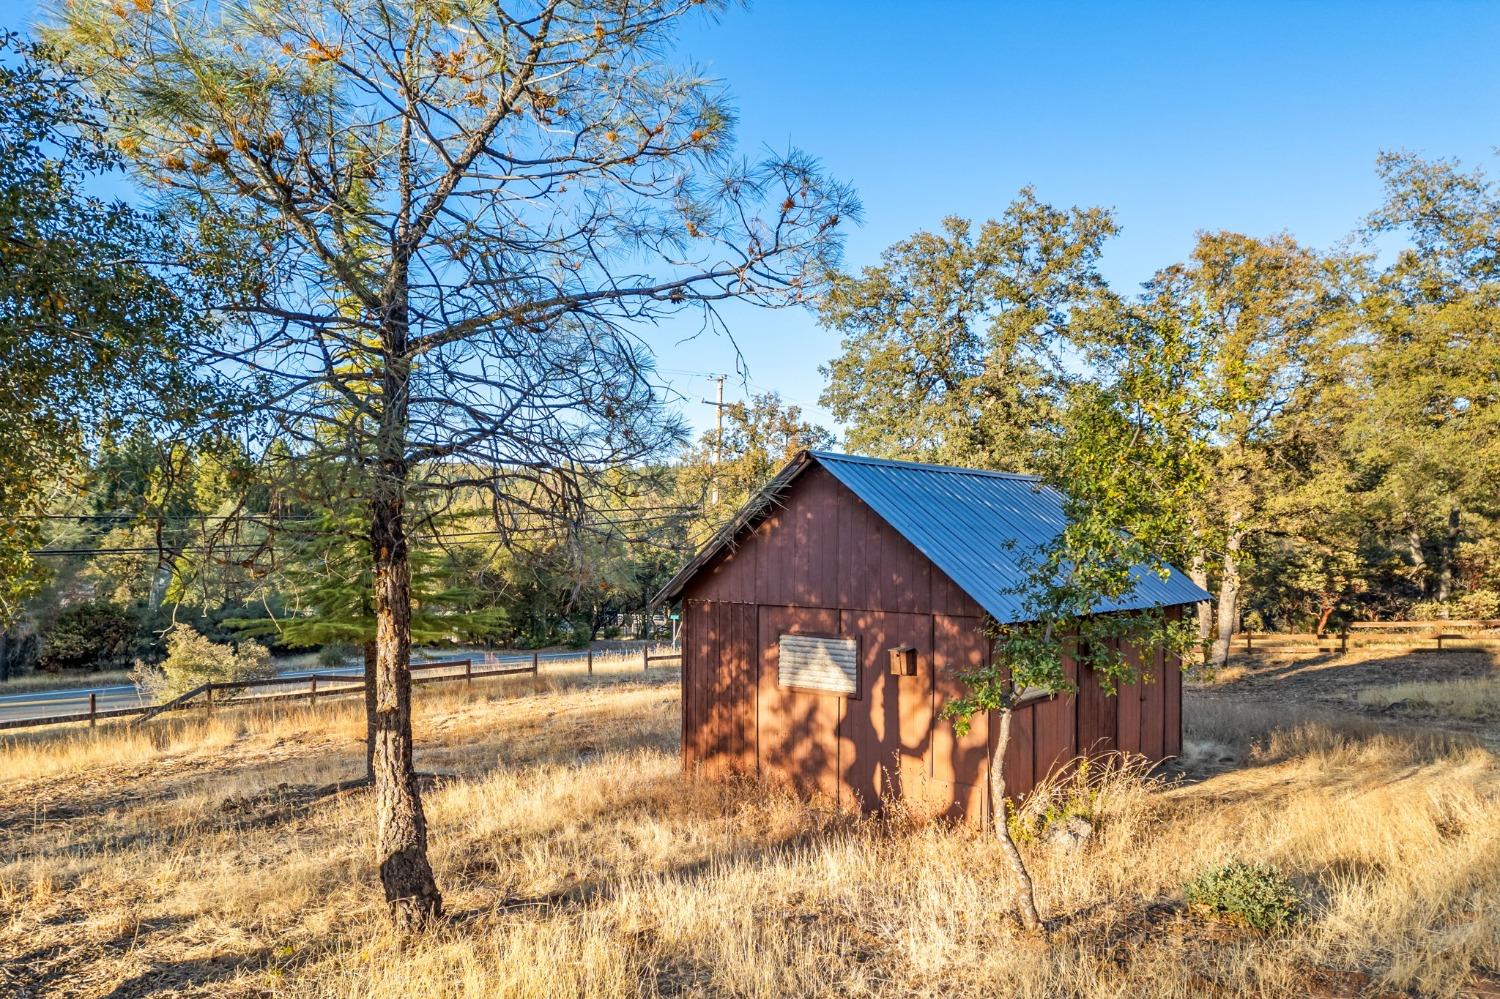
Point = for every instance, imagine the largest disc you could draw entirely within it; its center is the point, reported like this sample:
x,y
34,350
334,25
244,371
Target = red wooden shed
x,y
824,628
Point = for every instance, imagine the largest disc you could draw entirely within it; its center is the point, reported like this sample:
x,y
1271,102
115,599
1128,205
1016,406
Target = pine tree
x,y
505,193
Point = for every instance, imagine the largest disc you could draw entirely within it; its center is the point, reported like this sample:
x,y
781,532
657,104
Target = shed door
x,y
798,728
960,764
885,734
719,685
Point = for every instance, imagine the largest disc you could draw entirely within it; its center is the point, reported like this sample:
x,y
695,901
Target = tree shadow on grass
x,y
196,972
597,890
727,804
70,798
51,969
1327,674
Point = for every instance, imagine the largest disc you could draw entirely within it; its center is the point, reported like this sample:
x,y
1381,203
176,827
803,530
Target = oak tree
x,y
97,314
1270,318
954,346
1430,425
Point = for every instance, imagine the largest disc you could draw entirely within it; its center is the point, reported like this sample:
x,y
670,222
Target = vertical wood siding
x,y
960,764
884,733
825,548
1055,729
720,676
1098,716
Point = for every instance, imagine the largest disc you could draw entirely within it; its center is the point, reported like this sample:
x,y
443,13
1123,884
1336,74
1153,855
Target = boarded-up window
x,y
826,664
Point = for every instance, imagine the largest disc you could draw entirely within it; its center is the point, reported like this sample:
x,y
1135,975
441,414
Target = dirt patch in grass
x,y
1362,684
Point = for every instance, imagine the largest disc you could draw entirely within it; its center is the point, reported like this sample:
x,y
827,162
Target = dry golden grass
x,y
1223,674
1473,699
62,681
578,861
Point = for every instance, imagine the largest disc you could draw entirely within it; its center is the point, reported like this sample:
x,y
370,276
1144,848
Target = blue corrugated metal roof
x,y
976,525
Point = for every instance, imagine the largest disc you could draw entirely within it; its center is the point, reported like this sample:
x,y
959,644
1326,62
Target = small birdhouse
x,y
903,660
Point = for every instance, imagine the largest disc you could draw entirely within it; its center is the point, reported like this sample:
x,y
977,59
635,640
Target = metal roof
x,y
973,525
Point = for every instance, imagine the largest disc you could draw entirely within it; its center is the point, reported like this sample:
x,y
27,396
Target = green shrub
x,y
1478,604
1246,894
1057,801
193,660
1032,825
336,654
98,634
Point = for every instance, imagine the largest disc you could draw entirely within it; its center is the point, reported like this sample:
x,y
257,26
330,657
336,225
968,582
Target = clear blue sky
x,y
1254,116
1257,117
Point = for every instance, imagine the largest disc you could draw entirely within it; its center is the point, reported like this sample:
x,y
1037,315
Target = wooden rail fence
x,y
306,686
1407,636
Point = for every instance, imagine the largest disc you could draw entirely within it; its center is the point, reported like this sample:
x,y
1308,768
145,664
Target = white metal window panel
x,y
830,665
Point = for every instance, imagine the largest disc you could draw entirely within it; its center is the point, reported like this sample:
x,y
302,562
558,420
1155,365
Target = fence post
x,y
645,657
591,660
536,664
93,708
469,672
1344,642
312,692
1440,641
1247,640
210,698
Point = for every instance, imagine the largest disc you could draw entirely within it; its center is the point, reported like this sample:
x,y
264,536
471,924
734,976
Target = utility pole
x,y
718,404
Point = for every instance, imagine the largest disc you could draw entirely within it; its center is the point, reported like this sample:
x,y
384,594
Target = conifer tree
x,y
483,202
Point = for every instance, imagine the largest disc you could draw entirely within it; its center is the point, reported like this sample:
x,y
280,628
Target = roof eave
x,y
754,510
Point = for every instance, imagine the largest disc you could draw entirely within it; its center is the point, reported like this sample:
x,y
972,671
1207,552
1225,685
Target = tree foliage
x,y
193,660
90,635
1429,431
97,317
1129,468
1269,319
952,347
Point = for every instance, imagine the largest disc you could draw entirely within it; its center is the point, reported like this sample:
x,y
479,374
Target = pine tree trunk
x,y
1450,554
369,650
401,827
1025,890
1229,598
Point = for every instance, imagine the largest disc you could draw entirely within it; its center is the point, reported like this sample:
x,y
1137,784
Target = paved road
x,y
75,700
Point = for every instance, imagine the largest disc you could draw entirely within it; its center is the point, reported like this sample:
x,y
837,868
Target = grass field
x,y
191,859
1477,699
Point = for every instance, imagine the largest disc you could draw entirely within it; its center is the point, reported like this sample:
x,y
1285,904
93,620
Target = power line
x,y
148,516
259,518
222,549
141,551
